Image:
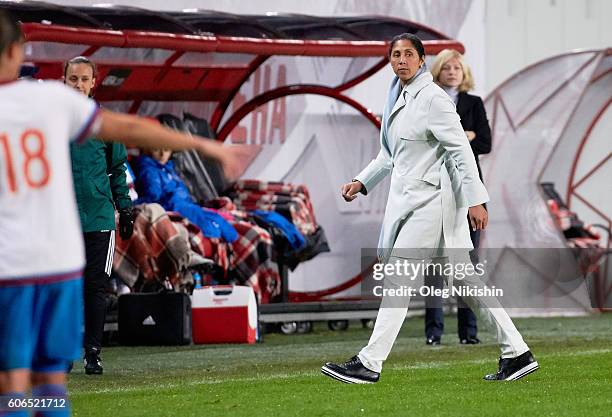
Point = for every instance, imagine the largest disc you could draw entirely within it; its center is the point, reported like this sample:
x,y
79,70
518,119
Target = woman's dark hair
x,y
414,39
10,31
80,60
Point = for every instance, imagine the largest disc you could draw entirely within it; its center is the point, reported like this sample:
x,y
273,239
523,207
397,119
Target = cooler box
x,y
224,314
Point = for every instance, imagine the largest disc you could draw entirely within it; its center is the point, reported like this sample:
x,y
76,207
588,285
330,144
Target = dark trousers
x,y
99,249
434,315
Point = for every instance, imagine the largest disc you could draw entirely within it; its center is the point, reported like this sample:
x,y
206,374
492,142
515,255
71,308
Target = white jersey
x,y
40,230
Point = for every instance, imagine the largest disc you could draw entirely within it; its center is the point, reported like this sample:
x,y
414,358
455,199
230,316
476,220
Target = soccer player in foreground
x,y
41,245
434,186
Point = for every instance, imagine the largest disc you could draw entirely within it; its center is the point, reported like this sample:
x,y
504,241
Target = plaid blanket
x,y
156,249
251,261
270,187
212,248
251,255
293,201
163,244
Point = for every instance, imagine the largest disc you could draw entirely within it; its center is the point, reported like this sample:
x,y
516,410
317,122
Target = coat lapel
x,y
399,104
411,90
394,90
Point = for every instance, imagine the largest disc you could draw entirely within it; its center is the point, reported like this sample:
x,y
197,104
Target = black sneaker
x,y
92,362
433,341
351,372
470,341
511,369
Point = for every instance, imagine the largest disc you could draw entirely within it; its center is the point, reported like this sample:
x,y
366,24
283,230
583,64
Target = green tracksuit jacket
x,y
99,183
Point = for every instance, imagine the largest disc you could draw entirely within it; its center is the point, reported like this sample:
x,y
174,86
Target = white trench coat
x,y
434,179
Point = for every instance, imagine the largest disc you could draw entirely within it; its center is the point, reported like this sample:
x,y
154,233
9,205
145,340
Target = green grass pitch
x,y
281,376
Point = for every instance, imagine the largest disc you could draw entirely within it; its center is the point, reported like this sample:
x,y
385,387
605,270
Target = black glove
x,y
126,223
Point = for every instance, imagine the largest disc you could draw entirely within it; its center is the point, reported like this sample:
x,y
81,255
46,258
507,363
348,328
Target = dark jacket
x,y
99,183
474,117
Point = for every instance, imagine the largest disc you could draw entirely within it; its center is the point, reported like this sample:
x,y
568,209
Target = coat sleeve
x,y
443,122
482,142
116,157
377,169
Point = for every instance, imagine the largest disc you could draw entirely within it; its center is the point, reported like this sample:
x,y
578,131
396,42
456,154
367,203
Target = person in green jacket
x,y
98,169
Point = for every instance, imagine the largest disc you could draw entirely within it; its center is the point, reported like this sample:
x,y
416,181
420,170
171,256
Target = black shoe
x,y
92,362
470,341
351,372
511,369
433,341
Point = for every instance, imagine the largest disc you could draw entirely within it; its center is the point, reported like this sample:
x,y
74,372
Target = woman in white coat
x,y
434,188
